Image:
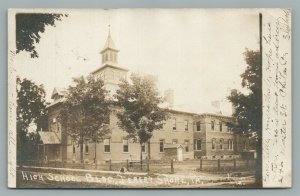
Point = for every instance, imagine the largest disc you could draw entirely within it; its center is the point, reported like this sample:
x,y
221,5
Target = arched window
x,y
221,144
230,144
212,125
213,144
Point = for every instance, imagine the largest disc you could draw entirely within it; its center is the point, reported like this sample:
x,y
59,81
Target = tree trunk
x,y
141,156
95,158
81,149
148,150
258,172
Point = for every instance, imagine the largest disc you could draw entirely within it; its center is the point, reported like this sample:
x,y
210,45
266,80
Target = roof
x,y
58,91
48,137
55,102
109,44
111,66
216,115
180,112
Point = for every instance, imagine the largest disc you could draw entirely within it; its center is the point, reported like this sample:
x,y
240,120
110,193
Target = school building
x,y
184,136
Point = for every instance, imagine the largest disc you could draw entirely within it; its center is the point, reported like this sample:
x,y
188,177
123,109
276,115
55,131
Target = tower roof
x,y
109,44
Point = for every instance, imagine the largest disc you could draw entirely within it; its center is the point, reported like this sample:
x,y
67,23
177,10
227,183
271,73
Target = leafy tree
x,y
85,113
248,106
140,113
28,29
30,110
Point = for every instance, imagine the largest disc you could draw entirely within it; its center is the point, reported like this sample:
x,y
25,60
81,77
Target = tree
x,y
85,113
140,113
28,29
31,109
248,106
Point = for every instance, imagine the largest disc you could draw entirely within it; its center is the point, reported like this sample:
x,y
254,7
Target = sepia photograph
x,y
149,98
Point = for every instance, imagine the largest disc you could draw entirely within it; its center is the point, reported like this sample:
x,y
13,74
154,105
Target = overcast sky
x,y
196,52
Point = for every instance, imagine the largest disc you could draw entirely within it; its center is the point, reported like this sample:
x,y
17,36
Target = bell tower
x,y
109,52
110,72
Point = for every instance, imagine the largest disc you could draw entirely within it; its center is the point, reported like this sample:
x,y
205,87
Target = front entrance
x,y
180,153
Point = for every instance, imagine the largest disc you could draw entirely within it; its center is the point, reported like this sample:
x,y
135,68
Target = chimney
x,y
216,107
233,93
169,97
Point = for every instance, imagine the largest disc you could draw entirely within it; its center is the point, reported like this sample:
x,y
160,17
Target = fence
x,y
154,166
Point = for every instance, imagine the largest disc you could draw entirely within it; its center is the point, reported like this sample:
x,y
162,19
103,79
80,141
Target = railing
x,y
155,166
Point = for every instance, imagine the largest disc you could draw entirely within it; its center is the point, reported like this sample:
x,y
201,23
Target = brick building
x,y
213,138
185,135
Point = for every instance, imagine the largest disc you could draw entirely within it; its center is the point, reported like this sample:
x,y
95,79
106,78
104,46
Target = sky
x,y
198,53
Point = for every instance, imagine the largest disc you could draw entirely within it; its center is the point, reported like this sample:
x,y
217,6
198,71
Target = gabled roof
x,y
109,66
109,44
58,91
55,102
48,137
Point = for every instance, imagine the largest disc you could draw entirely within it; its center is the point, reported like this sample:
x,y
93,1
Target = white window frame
x,y
125,143
186,125
109,144
230,144
174,127
196,144
163,145
213,144
198,122
222,144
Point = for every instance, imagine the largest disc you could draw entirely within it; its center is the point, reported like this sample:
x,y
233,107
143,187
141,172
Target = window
x,y
174,123
186,143
229,127
125,145
58,127
197,144
161,145
107,119
174,141
230,144
221,127
198,127
212,125
186,125
143,147
213,144
221,144
106,145
86,148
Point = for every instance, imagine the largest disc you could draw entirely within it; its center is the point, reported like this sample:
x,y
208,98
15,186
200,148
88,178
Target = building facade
x,y
213,137
184,135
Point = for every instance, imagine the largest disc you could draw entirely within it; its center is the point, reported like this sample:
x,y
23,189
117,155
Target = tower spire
x,y
109,26
110,51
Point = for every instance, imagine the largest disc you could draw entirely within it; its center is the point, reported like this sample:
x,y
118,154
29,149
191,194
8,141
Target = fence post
x,y
96,164
200,164
172,167
219,164
234,164
109,164
148,166
127,165
141,164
